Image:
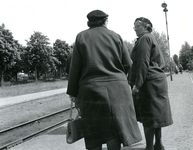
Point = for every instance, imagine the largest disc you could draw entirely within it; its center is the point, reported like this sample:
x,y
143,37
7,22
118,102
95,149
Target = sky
x,y
64,19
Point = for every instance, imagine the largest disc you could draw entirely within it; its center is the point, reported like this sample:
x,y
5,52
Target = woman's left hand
x,y
135,89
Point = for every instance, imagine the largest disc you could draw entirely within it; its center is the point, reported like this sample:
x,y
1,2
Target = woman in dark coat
x,y
100,63
149,85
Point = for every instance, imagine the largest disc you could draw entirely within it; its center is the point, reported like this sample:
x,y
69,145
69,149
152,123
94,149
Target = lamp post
x,y
164,5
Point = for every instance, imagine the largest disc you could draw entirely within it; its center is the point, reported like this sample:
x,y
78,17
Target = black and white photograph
x,y
96,75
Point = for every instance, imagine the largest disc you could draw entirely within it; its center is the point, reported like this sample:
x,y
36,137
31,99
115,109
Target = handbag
x,y
74,130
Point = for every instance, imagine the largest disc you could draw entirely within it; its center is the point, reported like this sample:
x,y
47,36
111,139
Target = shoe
x,y
160,147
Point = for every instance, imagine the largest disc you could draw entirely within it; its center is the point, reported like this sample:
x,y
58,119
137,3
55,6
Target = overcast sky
x,y
63,19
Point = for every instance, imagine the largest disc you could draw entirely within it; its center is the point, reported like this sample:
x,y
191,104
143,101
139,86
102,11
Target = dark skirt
x,y
152,104
107,112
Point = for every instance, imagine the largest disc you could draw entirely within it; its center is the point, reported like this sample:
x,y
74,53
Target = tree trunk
x,y
36,77
2,78
16,77
60,72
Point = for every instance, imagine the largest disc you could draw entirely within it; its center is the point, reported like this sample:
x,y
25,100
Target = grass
x,y
32,87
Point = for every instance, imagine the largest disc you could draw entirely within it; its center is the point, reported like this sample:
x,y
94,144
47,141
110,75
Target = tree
x,y
186,56
163,44
8,50
19,65
61,52
40,55
22,64
129,45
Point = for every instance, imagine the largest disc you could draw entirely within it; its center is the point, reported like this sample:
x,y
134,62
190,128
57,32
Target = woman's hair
x,y
96,23
146,23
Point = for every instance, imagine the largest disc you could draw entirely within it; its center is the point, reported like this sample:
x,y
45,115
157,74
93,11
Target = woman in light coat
x,y
97,78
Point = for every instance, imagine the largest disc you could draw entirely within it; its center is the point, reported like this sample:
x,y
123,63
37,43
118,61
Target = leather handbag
x,y
74,130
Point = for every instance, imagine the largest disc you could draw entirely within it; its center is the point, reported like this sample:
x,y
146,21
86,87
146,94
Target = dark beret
x,y
96,15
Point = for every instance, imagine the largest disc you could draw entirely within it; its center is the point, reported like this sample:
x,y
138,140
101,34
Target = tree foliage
x,y
8,50
39,55
19,65
129,45
163,44
40,59
61,52
186,56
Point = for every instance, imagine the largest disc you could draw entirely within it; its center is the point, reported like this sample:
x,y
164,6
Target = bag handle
x,y
78,110
70,116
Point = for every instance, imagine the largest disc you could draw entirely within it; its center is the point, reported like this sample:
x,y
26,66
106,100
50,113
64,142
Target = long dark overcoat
x,y
152,102
97,78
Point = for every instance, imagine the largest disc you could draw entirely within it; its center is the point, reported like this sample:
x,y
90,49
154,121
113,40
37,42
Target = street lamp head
x,y
165,10
164,5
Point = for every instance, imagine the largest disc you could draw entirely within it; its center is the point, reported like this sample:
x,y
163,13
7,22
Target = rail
x,y
20,140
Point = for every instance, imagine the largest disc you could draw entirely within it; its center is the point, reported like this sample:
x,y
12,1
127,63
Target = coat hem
x,y
131,143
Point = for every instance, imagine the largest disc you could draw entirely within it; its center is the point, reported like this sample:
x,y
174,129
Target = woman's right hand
x,y
73,99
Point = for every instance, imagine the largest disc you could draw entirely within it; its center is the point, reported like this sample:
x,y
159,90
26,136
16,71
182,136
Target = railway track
x,y
22,132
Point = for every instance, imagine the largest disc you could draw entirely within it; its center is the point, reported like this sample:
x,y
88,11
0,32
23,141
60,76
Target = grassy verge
x,y
32,87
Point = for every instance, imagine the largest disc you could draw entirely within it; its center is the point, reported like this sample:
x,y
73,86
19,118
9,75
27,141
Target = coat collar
x,y
145,32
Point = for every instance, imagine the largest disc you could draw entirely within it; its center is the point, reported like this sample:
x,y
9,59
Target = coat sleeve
x,y
75,72
126,59
68,63
143,53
